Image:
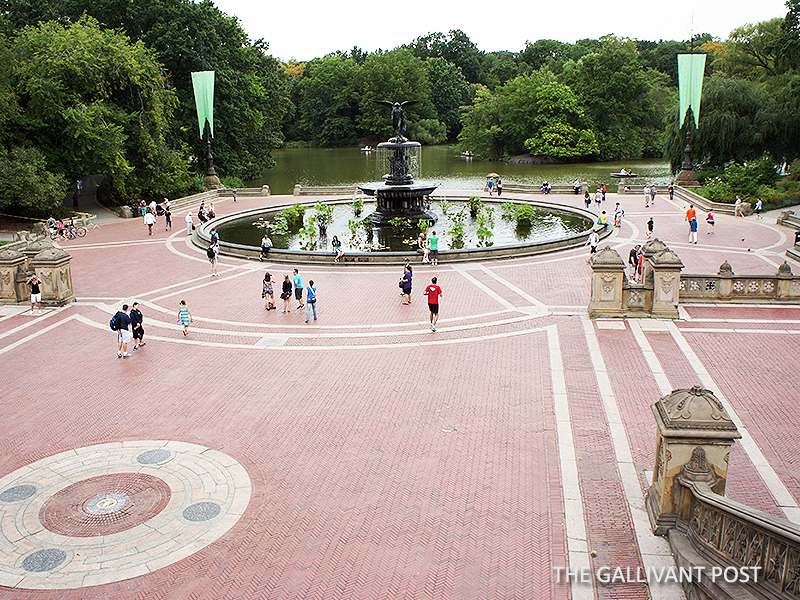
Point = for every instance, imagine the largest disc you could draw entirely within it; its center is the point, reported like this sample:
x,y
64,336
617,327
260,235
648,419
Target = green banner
x,y
203,83
690,84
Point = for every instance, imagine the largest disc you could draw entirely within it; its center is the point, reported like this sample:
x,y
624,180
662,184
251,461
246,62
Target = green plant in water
x,y
279,224
485,225
444,205
294,216
509,210
456,231
400,223
308,236
358,206
423,224
475,205
525,214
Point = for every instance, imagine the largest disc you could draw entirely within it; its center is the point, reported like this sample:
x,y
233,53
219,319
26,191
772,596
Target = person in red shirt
x,y
433,292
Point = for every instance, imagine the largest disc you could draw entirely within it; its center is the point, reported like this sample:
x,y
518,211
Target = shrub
x,y
294,216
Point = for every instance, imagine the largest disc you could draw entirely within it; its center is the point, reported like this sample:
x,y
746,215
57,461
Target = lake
x,y
348,166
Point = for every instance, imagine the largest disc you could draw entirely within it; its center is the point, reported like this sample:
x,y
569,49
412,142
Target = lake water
x,y
348,166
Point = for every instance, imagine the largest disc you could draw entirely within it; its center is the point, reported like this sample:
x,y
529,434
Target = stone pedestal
x,y
687,178
785,276
12,271
212,182
649,250
725,281
692,424
33,249
265,190
666,268
53,268
608,273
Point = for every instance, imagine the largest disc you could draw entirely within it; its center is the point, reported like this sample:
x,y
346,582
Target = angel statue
x,y
398,116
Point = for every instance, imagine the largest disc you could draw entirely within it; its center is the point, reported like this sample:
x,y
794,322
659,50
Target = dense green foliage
x,y
105,88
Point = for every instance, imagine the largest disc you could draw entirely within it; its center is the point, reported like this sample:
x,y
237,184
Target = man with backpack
x,y
213,252
121,323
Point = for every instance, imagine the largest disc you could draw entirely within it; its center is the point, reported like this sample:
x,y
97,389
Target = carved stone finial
x,y
653,247
607,258
696,409
666,258
725,270
785,271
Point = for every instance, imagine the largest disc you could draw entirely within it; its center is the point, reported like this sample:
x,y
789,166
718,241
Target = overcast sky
x,y
306,29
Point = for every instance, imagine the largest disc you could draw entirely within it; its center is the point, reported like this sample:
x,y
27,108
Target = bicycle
x,y
69,234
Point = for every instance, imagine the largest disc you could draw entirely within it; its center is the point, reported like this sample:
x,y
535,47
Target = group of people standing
x,y
289,287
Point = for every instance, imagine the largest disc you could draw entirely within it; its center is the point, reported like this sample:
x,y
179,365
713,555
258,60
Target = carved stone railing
x,y
726,286
729,534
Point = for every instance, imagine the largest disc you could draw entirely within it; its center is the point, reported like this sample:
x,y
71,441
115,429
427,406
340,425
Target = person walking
x,y
267,292
691,217
311,300
213,255
603,191
598,198
499,186
150,220
646,192
653,191
189,223
710,222
337,249
123,332
137,329
433,244
234,191
185,317
587,199
433,292
286,294
618,214
405,283
168,218
758,207
592,242
650,226
298,288
671,191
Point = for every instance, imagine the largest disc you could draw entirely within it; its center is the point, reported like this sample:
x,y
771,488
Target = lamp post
x,y
690,87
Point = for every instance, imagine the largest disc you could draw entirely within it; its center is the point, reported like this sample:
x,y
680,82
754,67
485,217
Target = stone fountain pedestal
x,y
398,195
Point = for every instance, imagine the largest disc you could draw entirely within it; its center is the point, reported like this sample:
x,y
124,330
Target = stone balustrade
x,y
783,286
327,190
730,550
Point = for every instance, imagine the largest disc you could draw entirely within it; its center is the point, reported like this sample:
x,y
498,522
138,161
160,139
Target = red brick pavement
x,y
420,470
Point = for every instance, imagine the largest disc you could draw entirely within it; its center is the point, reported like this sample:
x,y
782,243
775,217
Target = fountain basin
x,y
231,247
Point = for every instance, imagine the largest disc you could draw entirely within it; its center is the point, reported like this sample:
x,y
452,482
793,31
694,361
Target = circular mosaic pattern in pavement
x,y
105,504
111,512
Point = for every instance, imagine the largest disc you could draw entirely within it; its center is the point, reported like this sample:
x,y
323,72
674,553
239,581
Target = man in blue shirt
x,y
123,332
298,288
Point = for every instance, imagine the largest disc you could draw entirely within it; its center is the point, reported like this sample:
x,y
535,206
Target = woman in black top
x,y
287,294
136,326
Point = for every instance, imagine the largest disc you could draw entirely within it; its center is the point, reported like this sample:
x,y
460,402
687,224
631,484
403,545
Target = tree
x,y
327,101
27,188
455,47
612,86
481,132
449,91
250,93
94,103
545,53
395,76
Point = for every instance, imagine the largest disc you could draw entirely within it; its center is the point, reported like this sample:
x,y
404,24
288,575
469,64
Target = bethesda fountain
x,y
397,195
